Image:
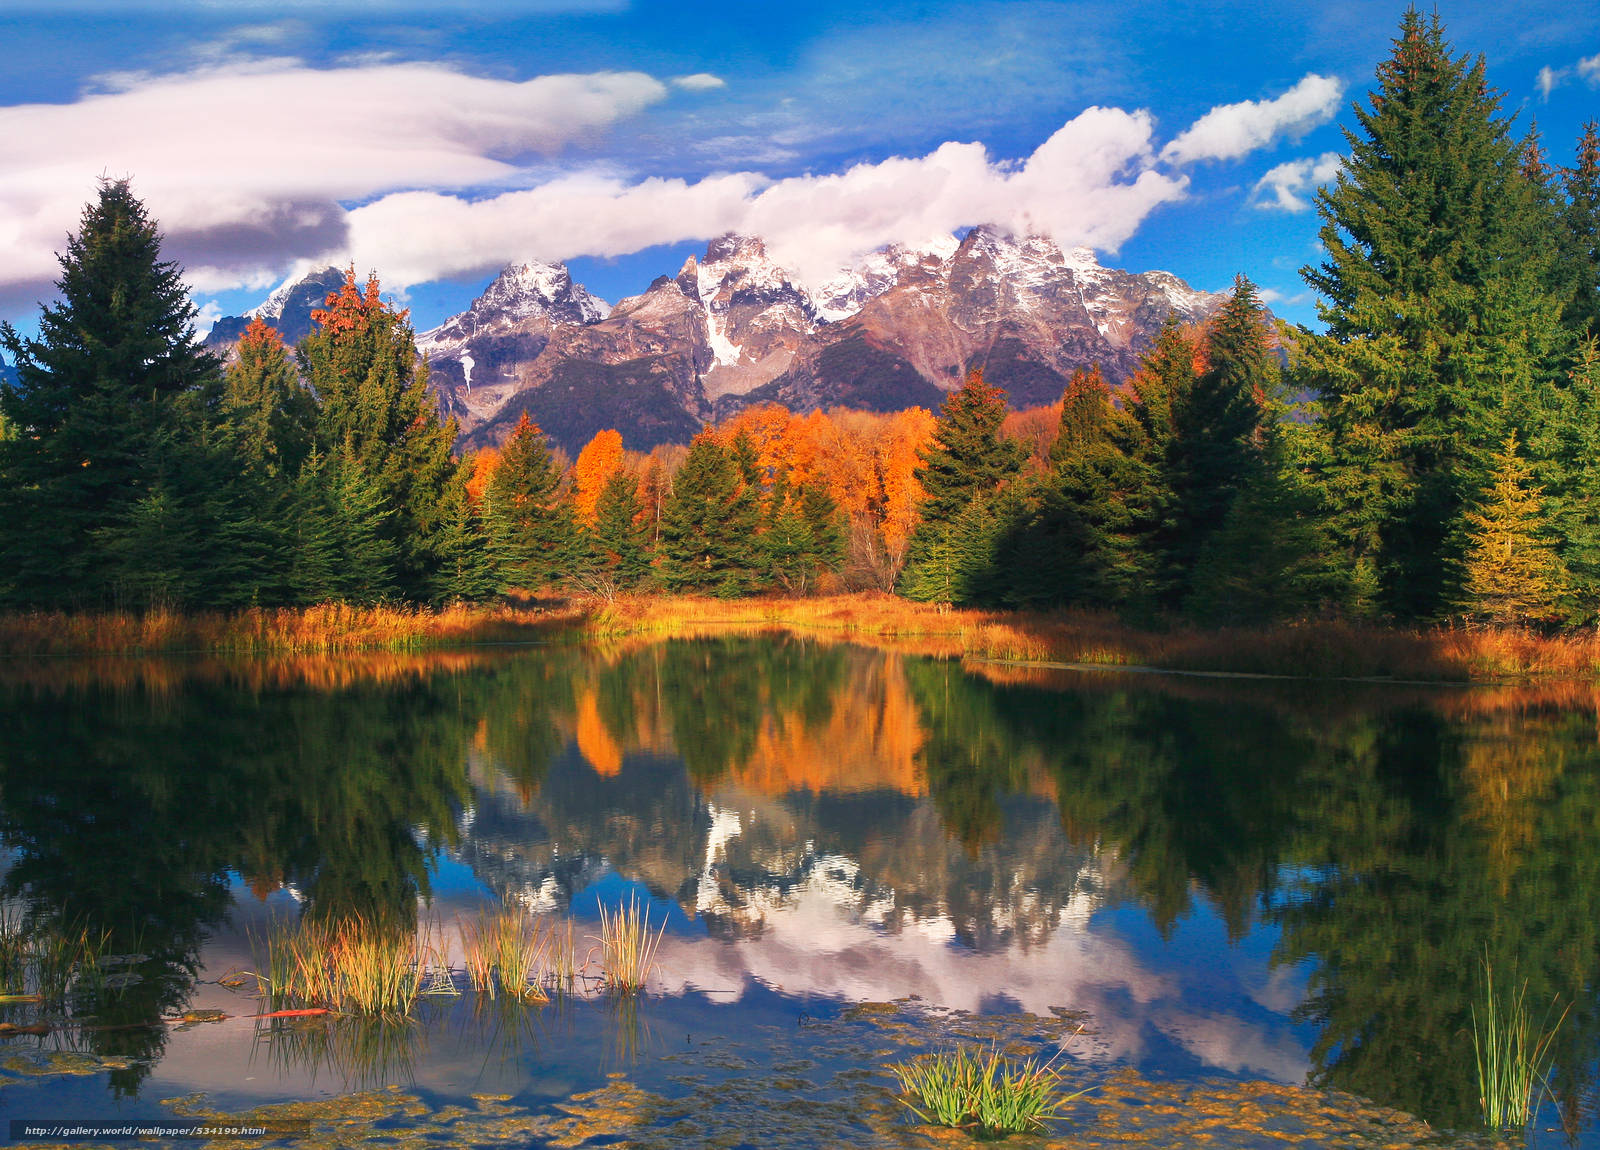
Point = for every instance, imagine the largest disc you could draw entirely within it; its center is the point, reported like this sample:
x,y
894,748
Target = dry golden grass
x,y
1317,649
331,627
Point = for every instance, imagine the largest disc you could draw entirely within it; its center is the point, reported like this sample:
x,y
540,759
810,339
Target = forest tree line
x,y
1433,453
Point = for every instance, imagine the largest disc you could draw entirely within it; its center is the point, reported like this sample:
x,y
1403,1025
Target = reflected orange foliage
x,y
595,743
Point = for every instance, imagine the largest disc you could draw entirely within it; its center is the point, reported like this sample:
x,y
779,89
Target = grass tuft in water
x,y
628,948
506,949
1512,1050
351,965
991,1094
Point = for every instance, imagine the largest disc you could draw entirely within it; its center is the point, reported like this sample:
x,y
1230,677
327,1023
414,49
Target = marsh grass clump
x,y
351,965
507,949
47,959
628,948
1512,1052
990,1095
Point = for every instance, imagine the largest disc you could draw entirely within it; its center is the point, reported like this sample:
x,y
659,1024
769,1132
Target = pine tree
x,y
342,546
531,529
1442,333
1571,496
617,540
1580,246
372,389
710,524
268,417
1512,575
963,470
464,572
115,370
1219,427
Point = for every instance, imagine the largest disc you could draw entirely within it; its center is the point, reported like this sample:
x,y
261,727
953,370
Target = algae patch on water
x,y
825,1084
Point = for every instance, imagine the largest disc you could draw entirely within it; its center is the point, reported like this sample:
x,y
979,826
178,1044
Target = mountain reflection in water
x,y
1280,880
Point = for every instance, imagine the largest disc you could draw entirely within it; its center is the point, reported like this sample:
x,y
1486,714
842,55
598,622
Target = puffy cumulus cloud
x,y
1285,187
245,163
699,82
1589,70
1091,183
1548,80
1233,130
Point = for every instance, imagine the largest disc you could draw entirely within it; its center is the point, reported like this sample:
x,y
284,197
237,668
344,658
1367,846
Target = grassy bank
x,y
329,628
1321,649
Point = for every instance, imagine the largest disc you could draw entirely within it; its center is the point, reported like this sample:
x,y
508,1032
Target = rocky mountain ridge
x,y
733,328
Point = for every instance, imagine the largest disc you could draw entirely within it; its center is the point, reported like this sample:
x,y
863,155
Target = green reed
x,y
992,1094
507,948
1512,1052
352,965
627,946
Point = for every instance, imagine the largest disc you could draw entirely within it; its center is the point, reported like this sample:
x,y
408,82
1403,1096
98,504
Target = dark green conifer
x,y
617,541
1442,332
372,389
1580,248
115,370
531,528
951,555
710,524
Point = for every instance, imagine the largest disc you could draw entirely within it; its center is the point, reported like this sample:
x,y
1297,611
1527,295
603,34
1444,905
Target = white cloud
x,y
245,163
1589,70
1548,80
1233,130
699,82
1285,187
1090,183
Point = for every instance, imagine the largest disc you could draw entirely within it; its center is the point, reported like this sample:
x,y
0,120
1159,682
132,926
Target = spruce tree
x,y
530,526
1580,239
267,416
1511,573
710,524
116,370
1219,427
617,541
375,408
951,556
1442,332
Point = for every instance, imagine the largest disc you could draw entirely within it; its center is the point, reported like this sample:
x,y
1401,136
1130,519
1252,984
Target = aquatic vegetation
x,y
351,965
992,1094
48,960
506,949
628,948
1512,1051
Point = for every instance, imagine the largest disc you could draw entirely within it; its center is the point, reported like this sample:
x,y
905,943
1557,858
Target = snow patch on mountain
x,y
876,272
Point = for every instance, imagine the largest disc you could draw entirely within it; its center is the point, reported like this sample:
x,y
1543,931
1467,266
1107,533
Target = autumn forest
x,y
1431,455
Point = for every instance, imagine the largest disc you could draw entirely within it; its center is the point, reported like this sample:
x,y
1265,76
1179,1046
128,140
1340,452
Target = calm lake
x,y
1210,891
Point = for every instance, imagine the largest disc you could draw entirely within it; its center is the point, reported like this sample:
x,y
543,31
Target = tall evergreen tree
x,y
115,372
531,528
710,524
951,557
268,416
372,389
1219,425
618,540
1580,241
1442,333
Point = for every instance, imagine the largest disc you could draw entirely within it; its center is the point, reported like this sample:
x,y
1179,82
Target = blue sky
x,y
435,142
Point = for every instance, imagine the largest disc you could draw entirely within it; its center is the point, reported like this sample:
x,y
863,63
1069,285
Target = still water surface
x,y
1238,880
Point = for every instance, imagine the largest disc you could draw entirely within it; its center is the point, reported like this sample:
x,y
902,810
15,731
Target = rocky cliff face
x,y
733,328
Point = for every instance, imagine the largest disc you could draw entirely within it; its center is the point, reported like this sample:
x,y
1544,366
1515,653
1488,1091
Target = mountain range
x,y
733,328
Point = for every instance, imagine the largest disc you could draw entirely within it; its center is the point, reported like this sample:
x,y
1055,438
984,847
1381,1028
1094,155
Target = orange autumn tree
x,y
597,463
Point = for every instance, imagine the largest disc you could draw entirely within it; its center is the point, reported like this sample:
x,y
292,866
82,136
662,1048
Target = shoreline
x,y
1315,650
